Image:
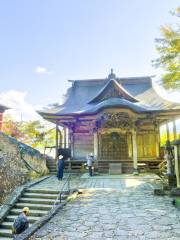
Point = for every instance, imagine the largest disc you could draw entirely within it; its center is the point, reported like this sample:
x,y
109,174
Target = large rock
x,y
15,171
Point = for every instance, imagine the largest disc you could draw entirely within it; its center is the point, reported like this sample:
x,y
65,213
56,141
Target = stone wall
x,y
18,164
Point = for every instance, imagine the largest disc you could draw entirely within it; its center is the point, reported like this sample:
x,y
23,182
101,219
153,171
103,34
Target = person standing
x,y
60,167
21,223
90,163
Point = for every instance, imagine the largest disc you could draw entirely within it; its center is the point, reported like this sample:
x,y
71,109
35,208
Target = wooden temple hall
x,y
116,119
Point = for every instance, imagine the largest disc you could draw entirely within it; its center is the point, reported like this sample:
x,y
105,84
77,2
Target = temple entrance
x,y
114,146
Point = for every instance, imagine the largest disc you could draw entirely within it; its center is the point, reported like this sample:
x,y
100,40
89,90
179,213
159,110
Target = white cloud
x,y
42,70
20,110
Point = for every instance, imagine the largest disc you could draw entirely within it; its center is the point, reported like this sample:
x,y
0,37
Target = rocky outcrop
x,y
18,164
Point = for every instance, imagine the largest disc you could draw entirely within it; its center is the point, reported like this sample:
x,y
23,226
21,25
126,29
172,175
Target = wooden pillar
x,y
64,137
158,142
60,138
96,145
57,142
177,166
167,130
174,130
72,143
134,143
67,138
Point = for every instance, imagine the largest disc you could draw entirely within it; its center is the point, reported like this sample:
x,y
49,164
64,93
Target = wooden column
x,y
60,138
157,142
167,130
96,145
57,142
64,137
72,143
174,129
177,166
134,143
67,138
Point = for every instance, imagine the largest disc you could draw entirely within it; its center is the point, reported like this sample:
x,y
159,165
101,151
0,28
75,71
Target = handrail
x,y
28,166
59,197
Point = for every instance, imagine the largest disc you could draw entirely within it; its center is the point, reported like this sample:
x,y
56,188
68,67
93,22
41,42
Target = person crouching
x,y
21,223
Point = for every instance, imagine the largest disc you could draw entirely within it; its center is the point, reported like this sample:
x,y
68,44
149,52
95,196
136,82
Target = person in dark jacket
x,y
21,223
60,167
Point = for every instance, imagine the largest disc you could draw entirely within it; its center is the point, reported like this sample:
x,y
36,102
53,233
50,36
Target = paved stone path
x,y
143,181
115,209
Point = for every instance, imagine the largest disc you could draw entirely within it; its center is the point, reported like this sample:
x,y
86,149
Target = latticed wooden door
x,y
114,146
146,144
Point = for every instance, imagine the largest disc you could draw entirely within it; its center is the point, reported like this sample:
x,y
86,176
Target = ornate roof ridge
x,y
113,89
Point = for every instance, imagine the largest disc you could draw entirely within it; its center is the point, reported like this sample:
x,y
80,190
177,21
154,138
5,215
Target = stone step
x,y
5,232
37,213
39,195
8,225
44,191
32,219
34,206
37,200
54,162
6,238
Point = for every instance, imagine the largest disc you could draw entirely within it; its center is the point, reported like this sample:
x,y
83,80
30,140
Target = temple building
x,y
2,109
117,119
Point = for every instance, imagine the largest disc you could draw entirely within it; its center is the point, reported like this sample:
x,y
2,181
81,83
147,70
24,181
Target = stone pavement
x,y
115,209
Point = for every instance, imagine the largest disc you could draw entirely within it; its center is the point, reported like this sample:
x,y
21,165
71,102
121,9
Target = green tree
x,y
168,48
32,133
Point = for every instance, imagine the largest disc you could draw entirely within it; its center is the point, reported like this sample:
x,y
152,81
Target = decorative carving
x,y
112,75
112,93
116,120
113,90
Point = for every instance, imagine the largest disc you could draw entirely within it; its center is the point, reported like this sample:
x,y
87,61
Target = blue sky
x,y
45,42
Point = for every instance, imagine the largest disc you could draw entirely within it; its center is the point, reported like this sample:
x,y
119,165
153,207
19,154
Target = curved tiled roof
x,y
80,95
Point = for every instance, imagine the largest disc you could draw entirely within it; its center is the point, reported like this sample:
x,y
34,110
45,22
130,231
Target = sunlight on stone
x,y
132,182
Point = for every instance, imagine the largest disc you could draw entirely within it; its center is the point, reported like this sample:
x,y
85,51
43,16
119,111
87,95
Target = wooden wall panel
x,y
83,144
146,144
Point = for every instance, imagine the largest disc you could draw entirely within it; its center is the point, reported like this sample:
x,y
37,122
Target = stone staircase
x,y
51,165
39,201
70,166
